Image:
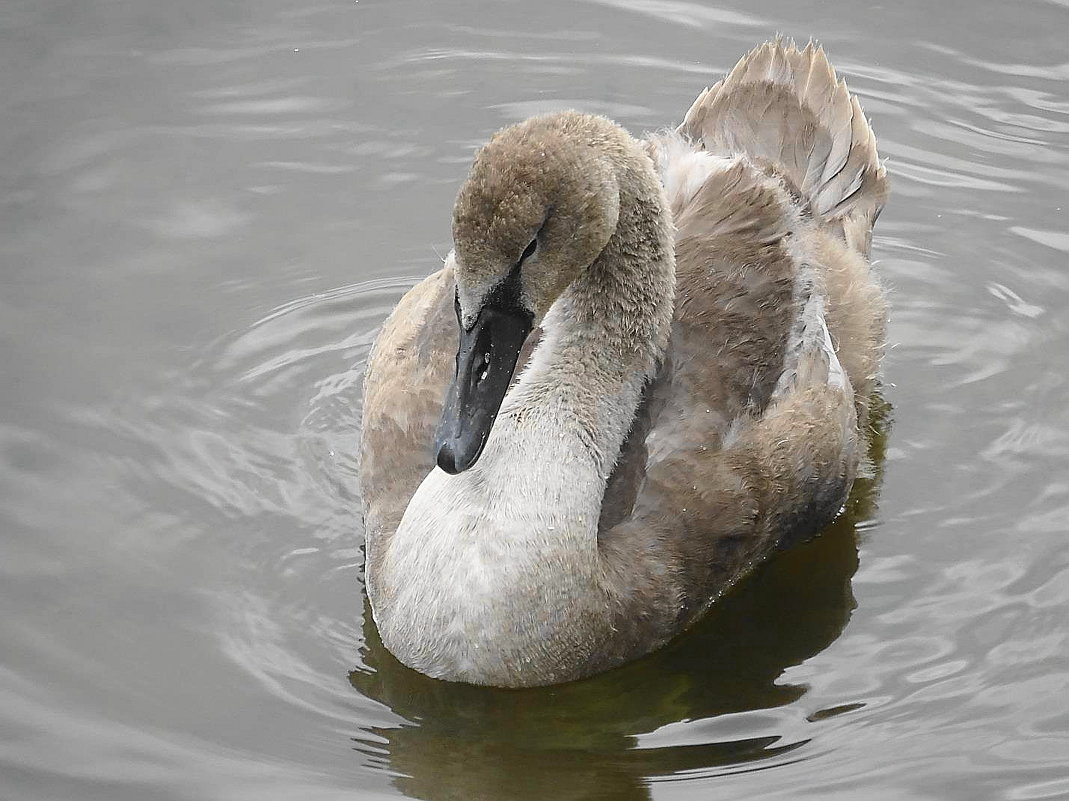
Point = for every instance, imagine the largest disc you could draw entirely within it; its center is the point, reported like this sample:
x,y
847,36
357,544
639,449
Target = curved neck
x,y
605,336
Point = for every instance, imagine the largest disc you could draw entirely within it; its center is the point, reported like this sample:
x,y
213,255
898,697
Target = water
x,y
208,208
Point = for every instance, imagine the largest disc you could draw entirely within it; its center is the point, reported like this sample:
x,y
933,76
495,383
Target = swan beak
x,y
486,360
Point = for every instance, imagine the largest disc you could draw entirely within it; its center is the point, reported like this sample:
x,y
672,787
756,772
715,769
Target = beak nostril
x,y
484,367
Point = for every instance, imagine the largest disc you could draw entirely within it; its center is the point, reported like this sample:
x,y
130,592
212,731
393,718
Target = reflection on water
x,y
672,713
208,209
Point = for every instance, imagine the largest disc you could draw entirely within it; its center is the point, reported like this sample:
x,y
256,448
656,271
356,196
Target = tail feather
x,y
787,107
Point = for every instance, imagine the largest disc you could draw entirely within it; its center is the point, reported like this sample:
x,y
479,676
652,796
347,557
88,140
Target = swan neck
x,y
606,335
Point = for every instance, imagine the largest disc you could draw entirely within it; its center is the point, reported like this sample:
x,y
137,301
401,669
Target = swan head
x,y
538,207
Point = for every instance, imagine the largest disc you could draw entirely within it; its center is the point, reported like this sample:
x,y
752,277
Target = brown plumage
x,y
742,412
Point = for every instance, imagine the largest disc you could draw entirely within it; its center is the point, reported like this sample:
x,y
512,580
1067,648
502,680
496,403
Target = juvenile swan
x,y
663,362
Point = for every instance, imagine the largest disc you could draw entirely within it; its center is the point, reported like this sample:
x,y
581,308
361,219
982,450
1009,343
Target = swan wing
x,y
408,370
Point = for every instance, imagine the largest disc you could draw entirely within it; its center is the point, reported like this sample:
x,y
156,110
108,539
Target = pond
x,y
208,210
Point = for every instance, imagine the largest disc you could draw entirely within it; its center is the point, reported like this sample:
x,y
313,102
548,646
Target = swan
x,y
645,364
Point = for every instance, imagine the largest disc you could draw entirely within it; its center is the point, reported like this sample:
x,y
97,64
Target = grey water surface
x,y
206,210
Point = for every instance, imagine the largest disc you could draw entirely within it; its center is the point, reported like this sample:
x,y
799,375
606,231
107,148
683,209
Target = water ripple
x,y
191,192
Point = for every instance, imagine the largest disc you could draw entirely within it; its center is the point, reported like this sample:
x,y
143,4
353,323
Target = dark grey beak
x,y
486,360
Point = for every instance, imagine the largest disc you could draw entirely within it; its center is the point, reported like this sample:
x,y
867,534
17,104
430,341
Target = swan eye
x,y
529,250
